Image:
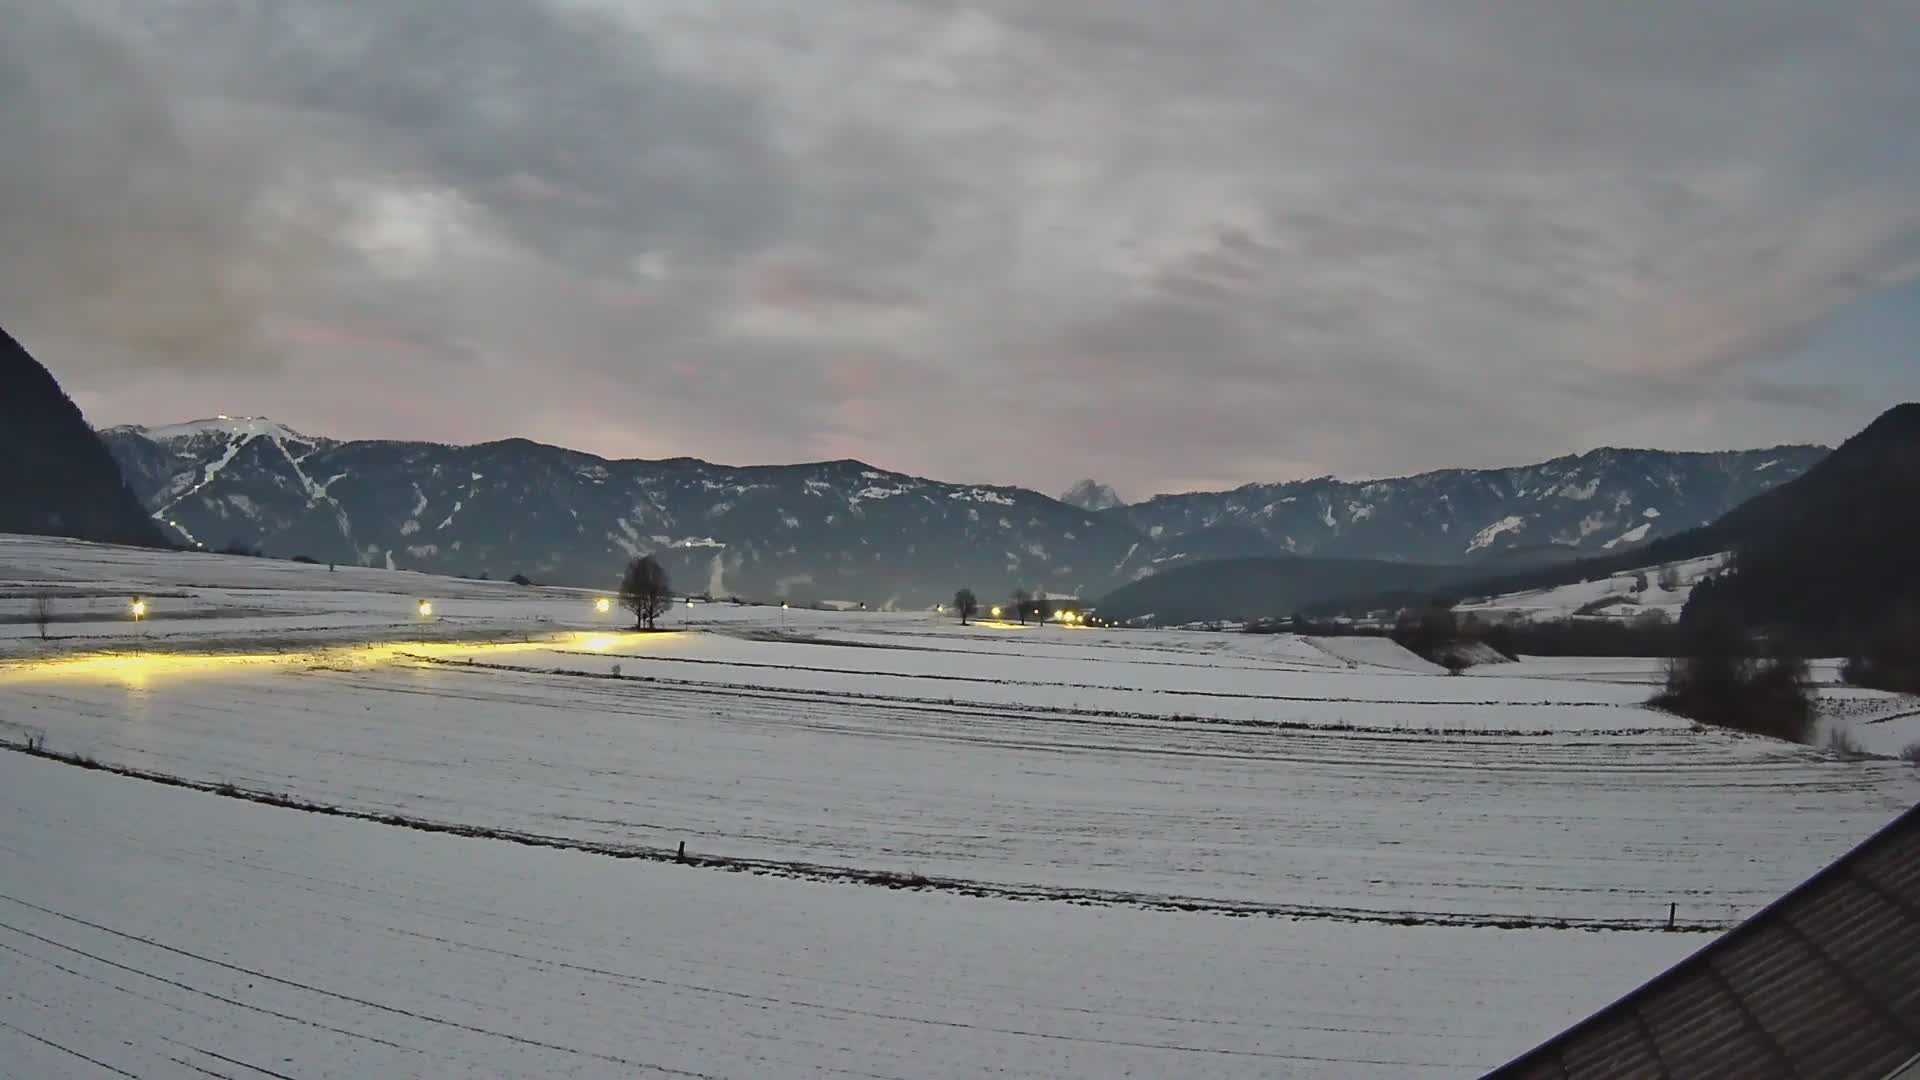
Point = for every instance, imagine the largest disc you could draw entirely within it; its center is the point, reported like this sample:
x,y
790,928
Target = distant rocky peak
x,y
1091,495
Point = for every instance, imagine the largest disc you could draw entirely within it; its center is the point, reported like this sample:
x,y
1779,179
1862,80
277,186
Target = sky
x,y
1169,245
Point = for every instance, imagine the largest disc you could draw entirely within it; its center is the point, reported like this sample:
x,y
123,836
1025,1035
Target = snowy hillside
x,y
1589,504
1625,595
826,531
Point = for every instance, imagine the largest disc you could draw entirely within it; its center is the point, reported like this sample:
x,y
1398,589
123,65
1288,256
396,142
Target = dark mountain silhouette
x,y
60,480
1832,554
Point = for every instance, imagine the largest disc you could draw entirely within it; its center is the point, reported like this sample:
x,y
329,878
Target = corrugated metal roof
x,y
1825,982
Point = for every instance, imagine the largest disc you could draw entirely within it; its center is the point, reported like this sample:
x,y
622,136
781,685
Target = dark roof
x,y
1824,982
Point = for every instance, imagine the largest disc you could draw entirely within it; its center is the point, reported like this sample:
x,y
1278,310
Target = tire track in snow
x,y
1236,695
69,1050
987,708
320,991
223,999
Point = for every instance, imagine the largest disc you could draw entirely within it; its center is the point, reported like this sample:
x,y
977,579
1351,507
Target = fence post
x,y
682,856
1672,910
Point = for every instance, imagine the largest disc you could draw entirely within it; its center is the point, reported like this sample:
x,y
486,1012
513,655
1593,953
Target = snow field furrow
x,y
287,826
1473,826
479,958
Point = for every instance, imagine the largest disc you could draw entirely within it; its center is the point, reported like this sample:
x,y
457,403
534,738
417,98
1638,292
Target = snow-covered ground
x,y
1876,721
1619,596
160,932
922,849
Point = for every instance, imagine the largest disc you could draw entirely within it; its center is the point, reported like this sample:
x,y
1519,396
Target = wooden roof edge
x,y
1907,820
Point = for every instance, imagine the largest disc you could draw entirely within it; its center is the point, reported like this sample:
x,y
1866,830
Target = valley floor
x,y
329,837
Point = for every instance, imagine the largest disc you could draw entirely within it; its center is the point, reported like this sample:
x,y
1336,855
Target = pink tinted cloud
x,y
357,337
800,286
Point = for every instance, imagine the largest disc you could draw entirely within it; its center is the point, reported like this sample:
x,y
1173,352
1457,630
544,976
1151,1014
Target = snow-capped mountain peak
x,y
1090,495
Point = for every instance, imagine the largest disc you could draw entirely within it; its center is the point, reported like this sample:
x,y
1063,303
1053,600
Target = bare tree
x,y
966,604
41,612
1669,578
645,591
1022,600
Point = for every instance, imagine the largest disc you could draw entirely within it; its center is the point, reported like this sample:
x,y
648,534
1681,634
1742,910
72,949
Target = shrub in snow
x,y
1842,743
1720,681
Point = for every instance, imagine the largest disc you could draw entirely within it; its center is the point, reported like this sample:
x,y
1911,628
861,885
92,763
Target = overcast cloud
x,y
1167,244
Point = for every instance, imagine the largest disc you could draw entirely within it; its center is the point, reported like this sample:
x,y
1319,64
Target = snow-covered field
x,y
1877,721
917,849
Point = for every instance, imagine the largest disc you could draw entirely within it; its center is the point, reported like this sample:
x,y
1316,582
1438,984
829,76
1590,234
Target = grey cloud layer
x,y
1167,244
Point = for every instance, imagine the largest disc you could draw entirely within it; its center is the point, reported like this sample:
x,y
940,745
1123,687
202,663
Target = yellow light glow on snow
x,y
138,669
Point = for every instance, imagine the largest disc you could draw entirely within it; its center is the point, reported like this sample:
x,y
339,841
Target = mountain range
x,y
1603,500
1825,556
845,530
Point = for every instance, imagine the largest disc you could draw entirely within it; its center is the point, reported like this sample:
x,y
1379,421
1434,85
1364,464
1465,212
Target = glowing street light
x,y
996,611
139,609
603,605
426,608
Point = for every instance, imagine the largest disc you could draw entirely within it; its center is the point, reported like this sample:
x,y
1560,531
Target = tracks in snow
x,y
1066,712
849,875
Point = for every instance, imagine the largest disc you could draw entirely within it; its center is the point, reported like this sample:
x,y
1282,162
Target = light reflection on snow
x,y
137,670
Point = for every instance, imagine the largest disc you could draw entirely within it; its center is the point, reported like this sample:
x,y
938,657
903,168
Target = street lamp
x,y
996,611
603,605
426,608
139,609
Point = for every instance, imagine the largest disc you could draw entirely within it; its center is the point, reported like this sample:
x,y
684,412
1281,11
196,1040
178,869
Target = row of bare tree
x,y
1024,606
